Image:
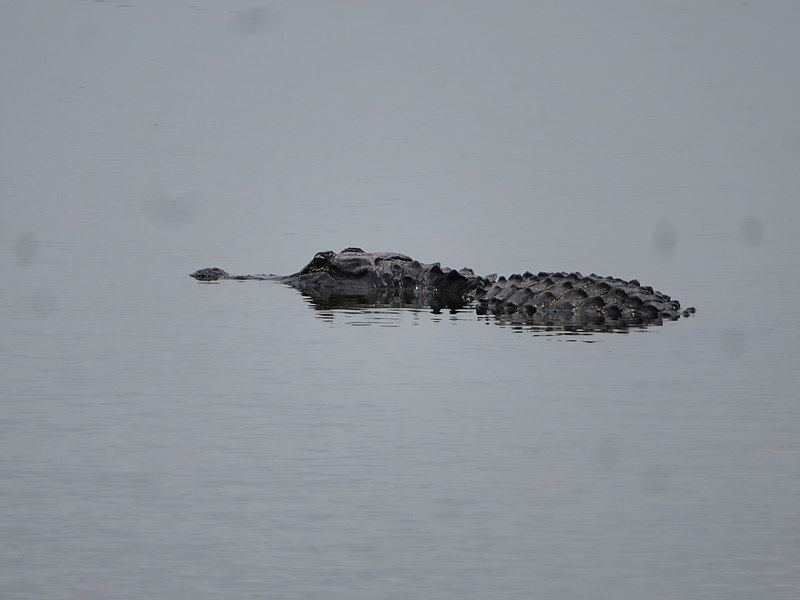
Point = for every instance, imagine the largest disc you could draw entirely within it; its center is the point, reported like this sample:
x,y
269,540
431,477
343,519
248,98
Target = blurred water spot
x,y
655,479
665,239
170,212
734,343
252,20
26,249
752,231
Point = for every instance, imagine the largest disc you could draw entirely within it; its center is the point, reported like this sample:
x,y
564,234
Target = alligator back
x,y
574,298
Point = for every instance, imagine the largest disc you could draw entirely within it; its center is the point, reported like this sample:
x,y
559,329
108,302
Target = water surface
x,y
164,438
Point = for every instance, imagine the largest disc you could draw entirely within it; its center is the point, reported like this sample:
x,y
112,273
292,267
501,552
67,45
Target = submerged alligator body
x,y
543,298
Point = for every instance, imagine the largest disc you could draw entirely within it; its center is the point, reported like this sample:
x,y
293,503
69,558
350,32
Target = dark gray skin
x,y
544,298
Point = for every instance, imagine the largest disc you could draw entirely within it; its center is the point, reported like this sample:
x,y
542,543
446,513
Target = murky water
x,y
169,439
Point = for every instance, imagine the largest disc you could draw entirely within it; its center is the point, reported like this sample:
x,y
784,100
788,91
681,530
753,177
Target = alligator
x,y
386,278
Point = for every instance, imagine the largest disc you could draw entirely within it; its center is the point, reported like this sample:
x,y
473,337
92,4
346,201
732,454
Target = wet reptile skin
x,y
542,298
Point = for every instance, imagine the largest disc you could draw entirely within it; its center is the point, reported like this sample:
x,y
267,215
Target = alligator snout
x,y
210,274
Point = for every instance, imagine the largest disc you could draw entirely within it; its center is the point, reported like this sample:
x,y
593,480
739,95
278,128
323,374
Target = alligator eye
x,y
319,260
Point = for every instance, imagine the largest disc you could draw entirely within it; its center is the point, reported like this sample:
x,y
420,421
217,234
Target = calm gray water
x,y
161,438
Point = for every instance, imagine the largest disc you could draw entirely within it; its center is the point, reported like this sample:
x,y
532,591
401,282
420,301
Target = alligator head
x,y
352,270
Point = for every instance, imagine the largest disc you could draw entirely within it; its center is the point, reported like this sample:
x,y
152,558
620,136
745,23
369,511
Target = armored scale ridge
x,y
389,278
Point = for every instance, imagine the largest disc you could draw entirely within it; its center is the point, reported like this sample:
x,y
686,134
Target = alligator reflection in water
x,y
436,303
383,310
354,278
